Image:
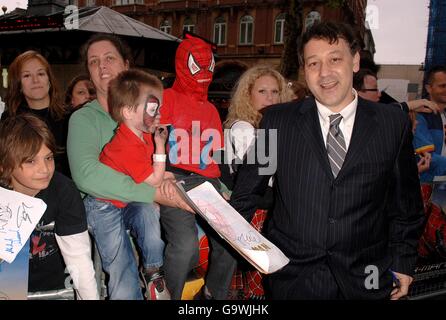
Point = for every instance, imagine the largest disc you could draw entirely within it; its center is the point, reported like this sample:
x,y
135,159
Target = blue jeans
x,y
108,225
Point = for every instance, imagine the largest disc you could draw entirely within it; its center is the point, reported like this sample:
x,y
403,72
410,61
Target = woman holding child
x,y
90,129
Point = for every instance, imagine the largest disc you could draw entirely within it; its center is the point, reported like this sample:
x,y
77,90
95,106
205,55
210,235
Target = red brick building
x,y
247,32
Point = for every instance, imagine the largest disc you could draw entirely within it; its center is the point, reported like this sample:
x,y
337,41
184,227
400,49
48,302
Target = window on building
x,y
246,29
220,31
125,2
279,28
91,3
166,26
312,18
189,25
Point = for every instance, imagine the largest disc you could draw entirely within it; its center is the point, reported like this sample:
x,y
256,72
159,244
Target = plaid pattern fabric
x,y
431,245
247,284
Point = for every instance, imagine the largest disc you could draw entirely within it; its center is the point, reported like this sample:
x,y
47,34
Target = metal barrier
x,y
62,294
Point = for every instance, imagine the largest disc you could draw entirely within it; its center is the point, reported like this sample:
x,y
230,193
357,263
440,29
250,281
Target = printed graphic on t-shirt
x,y
43,244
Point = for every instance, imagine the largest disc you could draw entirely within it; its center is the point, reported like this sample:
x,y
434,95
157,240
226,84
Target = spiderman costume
x,y
195,125
195,134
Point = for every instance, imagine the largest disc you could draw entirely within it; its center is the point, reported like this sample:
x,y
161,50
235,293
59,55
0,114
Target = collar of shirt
x,y
131,138
347,122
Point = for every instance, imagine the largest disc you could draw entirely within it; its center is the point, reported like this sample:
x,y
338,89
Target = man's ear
x,y
428,88
356,62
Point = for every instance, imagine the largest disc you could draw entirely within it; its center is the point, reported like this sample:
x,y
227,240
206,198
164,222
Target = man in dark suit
x,y
348,210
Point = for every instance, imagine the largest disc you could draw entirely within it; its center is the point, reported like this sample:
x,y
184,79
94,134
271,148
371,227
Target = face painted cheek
x,y
151,108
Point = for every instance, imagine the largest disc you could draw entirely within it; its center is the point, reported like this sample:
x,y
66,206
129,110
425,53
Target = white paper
x,y
19,215
397,88
231,226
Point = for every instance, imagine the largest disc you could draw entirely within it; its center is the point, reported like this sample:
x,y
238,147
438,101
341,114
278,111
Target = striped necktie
x,y
336,149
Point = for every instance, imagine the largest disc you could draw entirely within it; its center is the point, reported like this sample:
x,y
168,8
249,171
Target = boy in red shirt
x,y
134,99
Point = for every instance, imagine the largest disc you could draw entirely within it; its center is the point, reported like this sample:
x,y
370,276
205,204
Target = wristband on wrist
x,y
159,157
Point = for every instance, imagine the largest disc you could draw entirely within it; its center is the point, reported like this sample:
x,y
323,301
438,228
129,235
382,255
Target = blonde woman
x,y
258,88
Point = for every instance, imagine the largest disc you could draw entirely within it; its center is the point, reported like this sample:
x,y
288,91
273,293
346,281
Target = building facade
x,y
246,32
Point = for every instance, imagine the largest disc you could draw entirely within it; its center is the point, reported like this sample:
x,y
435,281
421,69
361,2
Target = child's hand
x,y
160,136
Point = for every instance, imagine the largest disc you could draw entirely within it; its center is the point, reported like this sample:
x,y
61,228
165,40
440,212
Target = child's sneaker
x,y
156,288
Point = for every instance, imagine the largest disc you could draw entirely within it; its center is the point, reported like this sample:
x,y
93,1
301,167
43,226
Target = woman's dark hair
x,y
74,81
118,43
14,96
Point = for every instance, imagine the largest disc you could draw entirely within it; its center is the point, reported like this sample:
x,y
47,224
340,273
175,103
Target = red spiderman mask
x,y
194,65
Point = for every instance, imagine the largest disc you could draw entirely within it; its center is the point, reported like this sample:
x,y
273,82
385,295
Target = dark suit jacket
x,y
371,214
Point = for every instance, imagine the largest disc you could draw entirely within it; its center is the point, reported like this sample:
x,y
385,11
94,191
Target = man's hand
x,y
401,286
423,105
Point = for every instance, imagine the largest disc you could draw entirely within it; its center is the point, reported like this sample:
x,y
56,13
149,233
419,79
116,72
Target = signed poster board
x,y
19,215
14,276
233,228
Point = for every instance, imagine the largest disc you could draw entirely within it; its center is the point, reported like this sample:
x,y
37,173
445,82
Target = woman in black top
x,y
33,88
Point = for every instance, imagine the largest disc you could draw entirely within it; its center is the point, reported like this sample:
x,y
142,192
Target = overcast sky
x,y
401,33
12,4
399,29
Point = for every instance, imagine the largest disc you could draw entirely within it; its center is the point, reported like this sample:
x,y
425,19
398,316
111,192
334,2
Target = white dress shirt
x,y
347,122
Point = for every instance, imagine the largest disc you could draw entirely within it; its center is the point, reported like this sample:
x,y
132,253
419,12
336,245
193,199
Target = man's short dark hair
x,y
358,78
332,32
432,71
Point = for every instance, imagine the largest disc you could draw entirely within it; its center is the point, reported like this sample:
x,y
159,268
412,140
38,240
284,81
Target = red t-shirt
x,y
197,133
126,153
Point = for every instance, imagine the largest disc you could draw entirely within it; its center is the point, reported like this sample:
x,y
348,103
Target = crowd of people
x,y
345,193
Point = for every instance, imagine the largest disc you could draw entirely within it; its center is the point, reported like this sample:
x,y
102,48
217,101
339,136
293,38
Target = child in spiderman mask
x,y
195,136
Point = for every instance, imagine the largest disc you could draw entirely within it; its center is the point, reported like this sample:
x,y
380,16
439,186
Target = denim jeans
x,y
108,225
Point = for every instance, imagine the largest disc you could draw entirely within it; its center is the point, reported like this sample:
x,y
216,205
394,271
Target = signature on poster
x,y
6,215
248,239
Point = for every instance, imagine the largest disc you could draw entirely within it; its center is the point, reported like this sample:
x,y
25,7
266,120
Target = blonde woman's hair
x,y
241,108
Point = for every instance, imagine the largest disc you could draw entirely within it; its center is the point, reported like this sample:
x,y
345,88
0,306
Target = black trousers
x,y
181,253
